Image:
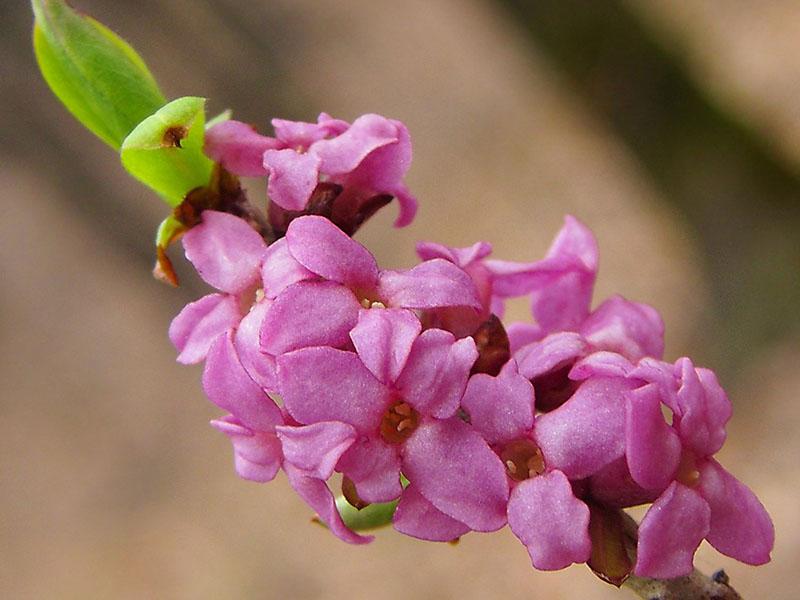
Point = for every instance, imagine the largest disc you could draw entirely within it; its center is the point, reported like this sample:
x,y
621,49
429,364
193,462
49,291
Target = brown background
x,y
671,127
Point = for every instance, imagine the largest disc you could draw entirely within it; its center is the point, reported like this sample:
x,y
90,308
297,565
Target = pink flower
x,y
695,498
543,511
400,392
228,255
495,281
359,167
318,279
561,294
259,455
566,328
702,499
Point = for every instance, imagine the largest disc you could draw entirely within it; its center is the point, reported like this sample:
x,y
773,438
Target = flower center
x,y
688,474
367,303
399,422
523,460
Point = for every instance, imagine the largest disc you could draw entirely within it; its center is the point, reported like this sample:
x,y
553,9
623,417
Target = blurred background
x,y
671,127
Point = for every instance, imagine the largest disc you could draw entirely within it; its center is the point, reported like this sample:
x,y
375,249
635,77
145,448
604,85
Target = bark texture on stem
x,y
696,586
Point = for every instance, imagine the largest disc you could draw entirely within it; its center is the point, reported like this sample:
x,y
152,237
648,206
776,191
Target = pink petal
x,y
456,471
511,279
417,517
316,494
345,152
562,290
500,408
662,374
297,134
670,533
383,169
292,177
309,313
740,525
463,257
632,329
257,455
436,372
652,448
324,384
383,339
407,205
374,468
196,327
315,449
613,486
601,364
333,125
280,269
552,523
368,160
562,302
432,284
239,148
550,354
225,250
259,366
522,334
704,409
576,242
228,385
588,431
326,250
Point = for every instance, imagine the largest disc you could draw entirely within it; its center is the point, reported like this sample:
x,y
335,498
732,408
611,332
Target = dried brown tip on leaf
x,y
173,136
163,270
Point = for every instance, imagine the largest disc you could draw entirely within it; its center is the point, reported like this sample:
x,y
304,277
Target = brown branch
x,y
696,586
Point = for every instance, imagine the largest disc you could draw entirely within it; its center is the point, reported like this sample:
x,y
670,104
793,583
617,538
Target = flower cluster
x,y
408,384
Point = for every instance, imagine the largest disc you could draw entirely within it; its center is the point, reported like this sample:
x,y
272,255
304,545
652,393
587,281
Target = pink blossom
x,y
693,493
359,167
566,328
400,391
318,279
228,255
543,511
495,281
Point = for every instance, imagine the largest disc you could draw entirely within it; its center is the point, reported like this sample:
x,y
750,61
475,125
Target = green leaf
x,y
168,231
101,80
372,516
165,151
225,115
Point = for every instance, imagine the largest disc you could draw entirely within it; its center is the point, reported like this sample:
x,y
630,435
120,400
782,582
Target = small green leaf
x,y
372,516
165,151
225,115
168,231
101,80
